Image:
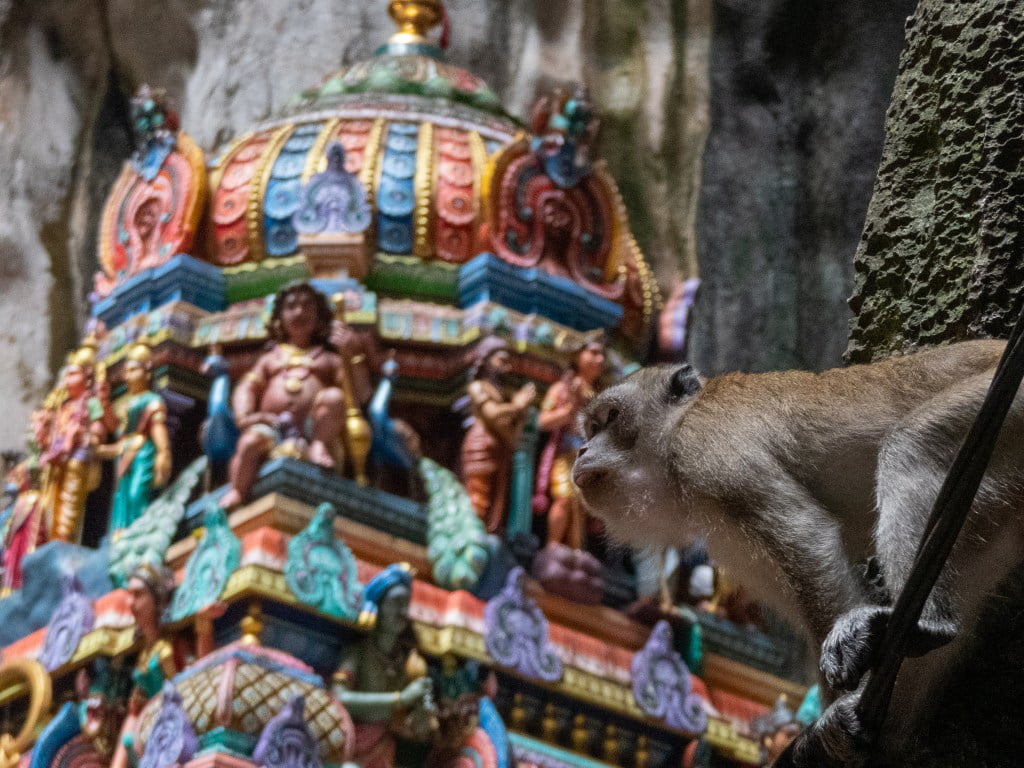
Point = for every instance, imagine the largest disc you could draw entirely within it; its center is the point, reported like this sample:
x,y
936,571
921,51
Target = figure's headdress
x,y
158,580
377,588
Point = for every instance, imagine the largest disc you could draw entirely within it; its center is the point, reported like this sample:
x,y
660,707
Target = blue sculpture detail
x,y
388,447
220,432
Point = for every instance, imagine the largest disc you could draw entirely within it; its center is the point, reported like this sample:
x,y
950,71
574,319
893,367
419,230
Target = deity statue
x,y
23,531
776,730
499,416
561,406
142,450
160,658
295,400
382,679
75,418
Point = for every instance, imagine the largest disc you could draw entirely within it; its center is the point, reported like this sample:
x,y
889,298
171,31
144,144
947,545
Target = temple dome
x,y
447,176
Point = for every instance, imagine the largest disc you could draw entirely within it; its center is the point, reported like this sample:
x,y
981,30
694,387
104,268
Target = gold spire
x,y
414,18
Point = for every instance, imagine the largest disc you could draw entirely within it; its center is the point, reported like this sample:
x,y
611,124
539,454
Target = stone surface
x,y
940,257
798,93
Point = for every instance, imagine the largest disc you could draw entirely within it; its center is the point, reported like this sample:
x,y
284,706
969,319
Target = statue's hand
x,y
162,468
340,335
525,396
415,692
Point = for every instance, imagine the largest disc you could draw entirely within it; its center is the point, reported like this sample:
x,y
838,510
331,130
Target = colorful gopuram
x,y
302,497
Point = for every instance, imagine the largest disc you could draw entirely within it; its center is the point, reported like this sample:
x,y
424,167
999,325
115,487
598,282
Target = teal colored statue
x,y
142,453
456,539
216,557
321,570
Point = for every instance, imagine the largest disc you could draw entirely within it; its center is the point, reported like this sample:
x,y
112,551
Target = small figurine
x,y
24,529
776,730
291,402
562,404
142,451
382,679
74,419
498,419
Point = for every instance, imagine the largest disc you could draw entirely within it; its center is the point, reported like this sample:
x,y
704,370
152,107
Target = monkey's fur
x,y
795,477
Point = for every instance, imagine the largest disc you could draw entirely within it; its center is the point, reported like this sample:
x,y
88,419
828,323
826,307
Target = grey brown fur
x,y
797,476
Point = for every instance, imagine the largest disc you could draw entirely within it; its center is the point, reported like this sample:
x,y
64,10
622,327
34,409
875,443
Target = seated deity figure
x,y
562,404
499,416
73,421
292,403
142,450
382,679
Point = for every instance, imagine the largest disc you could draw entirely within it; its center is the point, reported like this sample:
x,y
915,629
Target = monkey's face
x,y
623,471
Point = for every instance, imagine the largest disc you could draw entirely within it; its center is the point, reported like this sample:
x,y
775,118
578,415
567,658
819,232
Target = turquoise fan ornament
x,y
456,540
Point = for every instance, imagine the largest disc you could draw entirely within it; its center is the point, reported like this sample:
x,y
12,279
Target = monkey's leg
x,y
913,462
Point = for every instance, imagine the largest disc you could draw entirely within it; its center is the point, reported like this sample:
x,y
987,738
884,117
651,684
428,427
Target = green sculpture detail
x,y
216,557
321,570
146,540
457,544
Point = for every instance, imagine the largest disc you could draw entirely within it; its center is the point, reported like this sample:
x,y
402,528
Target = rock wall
x,y
799,90
941,254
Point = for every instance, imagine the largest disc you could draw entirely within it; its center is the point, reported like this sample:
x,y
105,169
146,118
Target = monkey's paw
x,y
852,646
835,740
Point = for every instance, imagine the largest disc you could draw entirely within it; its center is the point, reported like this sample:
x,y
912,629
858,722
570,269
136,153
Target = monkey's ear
x,y
684,382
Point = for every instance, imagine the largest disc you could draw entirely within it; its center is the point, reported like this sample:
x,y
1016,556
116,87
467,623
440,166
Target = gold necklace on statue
x,y
298,364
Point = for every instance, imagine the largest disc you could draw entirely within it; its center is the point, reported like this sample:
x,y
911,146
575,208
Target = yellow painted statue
x,y
73,421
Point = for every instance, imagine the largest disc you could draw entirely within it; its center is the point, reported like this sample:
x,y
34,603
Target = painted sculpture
x,y
290,403
75,418
154,209
142,452
381,679
25,527
499,415
562,404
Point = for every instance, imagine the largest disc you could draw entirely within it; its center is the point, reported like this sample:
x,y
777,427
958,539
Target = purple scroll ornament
x,y
516,632
286,741
172,740
70,622
334,201
661,684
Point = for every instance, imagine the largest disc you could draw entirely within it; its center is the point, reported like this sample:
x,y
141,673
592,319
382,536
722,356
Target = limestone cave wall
x,y
942,253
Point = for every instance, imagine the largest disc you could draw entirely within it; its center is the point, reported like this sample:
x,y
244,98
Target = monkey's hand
x,y
835,740
853,644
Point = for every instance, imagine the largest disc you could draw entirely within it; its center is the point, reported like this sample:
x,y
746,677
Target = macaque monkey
x,y
795,477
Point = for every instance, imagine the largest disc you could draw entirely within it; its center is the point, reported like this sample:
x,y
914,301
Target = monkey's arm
x,y
806,543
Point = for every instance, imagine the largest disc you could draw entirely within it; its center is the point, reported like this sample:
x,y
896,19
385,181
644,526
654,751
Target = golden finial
x,y
251,625
414,19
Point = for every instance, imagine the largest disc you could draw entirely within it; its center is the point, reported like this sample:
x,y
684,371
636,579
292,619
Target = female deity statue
x,y
74,420
142,450
499,415
562,404
290,403
378,680
160,658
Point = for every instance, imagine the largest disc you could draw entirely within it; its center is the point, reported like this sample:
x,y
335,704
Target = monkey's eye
x,y
613,414
592,427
